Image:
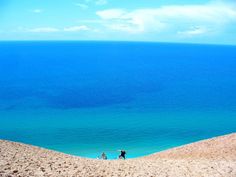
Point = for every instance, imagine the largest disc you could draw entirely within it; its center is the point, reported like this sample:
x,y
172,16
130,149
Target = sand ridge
x,y
214,157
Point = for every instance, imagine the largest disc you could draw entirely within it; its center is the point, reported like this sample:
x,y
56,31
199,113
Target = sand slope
x,y
214,157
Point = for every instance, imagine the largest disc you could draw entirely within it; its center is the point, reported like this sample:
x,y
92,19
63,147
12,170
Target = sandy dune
x,y
214,157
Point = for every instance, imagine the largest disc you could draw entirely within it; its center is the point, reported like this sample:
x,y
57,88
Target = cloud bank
x,y
52,29
44,30
77,28
187,19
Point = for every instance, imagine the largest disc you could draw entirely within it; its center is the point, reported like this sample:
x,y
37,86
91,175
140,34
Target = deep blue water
x,y
84,98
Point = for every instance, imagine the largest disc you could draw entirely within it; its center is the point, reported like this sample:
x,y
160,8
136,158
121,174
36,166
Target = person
x,y
103,156
122,154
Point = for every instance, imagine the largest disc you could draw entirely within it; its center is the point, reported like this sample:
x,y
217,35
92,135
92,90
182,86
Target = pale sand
x,y
214,157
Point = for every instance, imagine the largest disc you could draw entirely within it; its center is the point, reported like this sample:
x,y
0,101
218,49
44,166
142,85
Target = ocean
x,y
85,98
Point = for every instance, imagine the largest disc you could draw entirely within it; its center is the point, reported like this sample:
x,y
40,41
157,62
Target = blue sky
x,y
195,21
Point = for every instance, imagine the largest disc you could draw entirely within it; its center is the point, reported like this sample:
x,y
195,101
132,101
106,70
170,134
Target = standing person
x,y
122,154
103,156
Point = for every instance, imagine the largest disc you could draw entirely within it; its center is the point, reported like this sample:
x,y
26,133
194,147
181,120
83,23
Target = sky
x,y
187,21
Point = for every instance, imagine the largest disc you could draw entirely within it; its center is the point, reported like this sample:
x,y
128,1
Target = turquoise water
x,y
85,98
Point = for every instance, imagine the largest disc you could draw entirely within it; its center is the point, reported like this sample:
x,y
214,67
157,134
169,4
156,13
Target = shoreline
x,y
211,157
128,158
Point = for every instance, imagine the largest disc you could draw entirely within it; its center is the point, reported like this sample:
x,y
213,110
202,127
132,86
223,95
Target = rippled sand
x,y
213,157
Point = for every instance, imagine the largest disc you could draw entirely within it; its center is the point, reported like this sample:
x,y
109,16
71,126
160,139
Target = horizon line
x,y
116,41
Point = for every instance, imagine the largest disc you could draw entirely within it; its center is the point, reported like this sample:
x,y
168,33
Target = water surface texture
x,y
84,98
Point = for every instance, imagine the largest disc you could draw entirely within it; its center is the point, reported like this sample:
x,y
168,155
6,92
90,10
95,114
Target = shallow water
x,y
84,98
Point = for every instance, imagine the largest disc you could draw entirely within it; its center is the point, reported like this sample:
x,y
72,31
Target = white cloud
x,y
44,30
111,14
101,2
37,10
77,28
90,21
172,18
52,29
195,31
82,6
97,2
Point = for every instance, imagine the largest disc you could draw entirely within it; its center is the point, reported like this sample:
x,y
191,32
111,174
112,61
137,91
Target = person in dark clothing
x,y
122,154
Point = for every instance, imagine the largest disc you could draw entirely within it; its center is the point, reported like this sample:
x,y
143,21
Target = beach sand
x,y
214,157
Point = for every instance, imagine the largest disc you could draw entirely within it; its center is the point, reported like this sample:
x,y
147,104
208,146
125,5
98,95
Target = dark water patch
x,y
89,97
66,75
